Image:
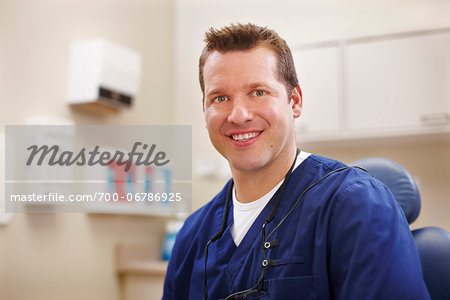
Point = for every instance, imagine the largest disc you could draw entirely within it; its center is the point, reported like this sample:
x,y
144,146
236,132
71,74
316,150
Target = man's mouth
x,y
242,137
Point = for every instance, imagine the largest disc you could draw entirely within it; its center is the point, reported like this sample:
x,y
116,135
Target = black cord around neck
x,y
226,212
217,235
282,189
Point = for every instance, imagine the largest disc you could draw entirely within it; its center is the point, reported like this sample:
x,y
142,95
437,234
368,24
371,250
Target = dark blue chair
x,y
433,243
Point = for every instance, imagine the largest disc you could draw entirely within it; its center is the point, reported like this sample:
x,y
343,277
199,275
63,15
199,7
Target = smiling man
x,y
288,225
249,114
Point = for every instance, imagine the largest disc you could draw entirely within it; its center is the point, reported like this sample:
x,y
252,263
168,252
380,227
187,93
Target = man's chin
x,y
243,165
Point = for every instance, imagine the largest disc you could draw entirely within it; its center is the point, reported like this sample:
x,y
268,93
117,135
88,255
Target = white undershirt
x,y
245,214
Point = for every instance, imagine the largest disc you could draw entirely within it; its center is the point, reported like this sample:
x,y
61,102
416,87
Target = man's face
x,y
248,113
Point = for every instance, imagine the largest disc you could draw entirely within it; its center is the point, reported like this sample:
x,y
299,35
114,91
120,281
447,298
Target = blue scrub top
x,y
348,239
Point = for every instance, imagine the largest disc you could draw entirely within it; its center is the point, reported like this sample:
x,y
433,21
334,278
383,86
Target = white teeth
x,y
245,137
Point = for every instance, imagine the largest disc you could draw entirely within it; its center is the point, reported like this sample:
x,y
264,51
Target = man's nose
x,y
240,112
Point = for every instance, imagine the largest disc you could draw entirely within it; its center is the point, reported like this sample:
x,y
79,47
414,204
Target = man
x,y
289,225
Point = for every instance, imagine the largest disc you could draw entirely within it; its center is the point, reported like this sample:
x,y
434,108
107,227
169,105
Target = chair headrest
x,y
398,180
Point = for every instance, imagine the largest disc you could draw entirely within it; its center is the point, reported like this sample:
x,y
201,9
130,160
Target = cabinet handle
x,y
439,118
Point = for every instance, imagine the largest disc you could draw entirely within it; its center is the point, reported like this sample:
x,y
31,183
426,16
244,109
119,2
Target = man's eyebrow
x,y
255,85
213,92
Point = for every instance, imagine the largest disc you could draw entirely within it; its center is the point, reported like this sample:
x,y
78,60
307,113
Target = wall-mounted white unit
x,y
103,72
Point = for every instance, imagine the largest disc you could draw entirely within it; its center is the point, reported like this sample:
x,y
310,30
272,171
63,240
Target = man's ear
x,y
296,101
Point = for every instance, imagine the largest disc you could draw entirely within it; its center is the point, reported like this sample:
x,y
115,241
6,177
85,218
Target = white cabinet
x,y
399,82
319,78
372,87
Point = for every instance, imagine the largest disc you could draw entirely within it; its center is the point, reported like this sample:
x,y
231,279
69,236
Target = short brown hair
x,y
246,37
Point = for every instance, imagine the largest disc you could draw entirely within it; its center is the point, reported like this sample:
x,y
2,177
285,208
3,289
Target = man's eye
x,y
259,93
220,99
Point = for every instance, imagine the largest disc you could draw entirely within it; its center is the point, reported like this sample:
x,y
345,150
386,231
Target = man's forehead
x,y
222,60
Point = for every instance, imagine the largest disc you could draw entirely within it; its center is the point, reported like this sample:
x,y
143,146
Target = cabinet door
x,y
318,70
398,82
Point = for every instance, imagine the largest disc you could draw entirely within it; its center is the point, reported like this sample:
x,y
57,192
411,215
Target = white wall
x,y
36,43
2,57
302,22
72,256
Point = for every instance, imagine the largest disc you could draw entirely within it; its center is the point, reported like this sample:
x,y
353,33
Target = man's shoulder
x,y
347,192
328,164
324,165
316,167
336,174
353,187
